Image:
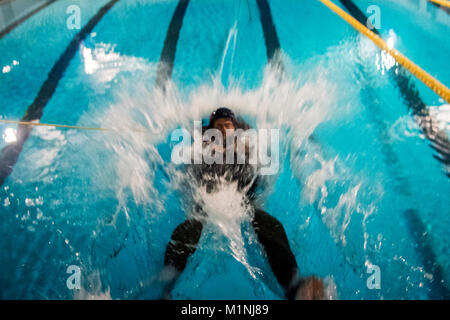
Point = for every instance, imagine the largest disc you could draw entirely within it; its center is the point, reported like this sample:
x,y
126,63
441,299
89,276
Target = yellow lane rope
x,y
444,3
30,123
421,74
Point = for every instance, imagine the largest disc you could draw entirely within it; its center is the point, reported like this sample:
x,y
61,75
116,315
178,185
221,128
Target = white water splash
x,y
91,289
442,115
227,210
277,103
43,159
232,37
338,218
317,180
105,63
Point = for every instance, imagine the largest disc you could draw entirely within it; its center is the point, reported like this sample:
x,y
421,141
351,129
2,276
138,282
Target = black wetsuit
x,y
268,229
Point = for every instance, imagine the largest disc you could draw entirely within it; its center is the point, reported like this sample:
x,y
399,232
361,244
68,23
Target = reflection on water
x,y
108,202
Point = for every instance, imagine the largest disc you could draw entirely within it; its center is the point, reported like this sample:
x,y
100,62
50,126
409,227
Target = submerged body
x,y
268,229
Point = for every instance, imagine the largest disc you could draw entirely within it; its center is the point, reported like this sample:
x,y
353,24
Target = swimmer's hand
x,y
310,288
169,276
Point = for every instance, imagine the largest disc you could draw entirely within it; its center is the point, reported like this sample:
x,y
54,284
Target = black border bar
x,y
277,309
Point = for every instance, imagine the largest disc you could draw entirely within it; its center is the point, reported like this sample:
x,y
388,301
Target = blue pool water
x,y
358,183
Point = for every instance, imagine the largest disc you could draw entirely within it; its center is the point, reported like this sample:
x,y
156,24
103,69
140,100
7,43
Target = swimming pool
x,y
359,185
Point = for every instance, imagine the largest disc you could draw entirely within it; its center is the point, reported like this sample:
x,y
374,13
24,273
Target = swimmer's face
x,y
224,125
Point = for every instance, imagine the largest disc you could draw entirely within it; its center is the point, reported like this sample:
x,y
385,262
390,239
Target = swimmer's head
x,y
224,120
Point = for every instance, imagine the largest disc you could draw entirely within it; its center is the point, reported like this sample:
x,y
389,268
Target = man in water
x,y
268,229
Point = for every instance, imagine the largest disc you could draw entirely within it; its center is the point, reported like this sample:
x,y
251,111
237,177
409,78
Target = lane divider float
x,y
421,74
444,3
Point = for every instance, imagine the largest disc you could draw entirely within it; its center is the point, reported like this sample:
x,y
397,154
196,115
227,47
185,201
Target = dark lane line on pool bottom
x,y
10,153
402,187
165,68
437,137
167,59
271,38
273,48
416,227
269,30
414,222
18,22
